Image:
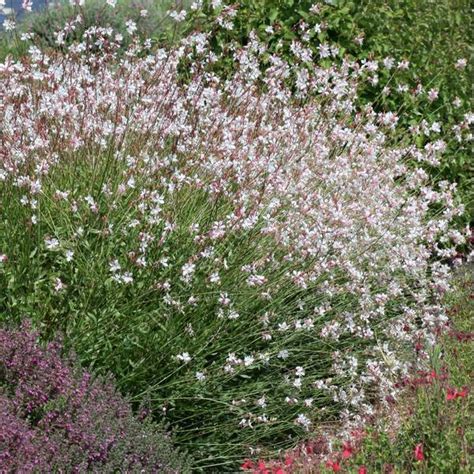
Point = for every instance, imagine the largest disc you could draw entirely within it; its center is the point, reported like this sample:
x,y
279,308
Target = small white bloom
x,y
200,376
403,65
114,266
9,24
178,16
300,371
283,327
248,360
215,278
224,299
127,278
59,285
184,357
460,63
131,26
303,420
256,280
388,62
433,94
51,244
187,272
261,402
283,354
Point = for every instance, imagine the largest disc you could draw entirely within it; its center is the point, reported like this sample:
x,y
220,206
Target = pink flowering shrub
x,y
55,417
256,260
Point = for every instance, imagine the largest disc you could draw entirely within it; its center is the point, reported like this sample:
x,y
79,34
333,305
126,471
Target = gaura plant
x,y
257,261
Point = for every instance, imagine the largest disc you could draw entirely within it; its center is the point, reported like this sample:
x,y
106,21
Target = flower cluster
x,y
265,256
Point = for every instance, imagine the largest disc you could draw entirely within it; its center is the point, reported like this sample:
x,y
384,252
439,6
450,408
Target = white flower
x,y
324,50
283,354
114,266
433,94
300,371
178,16
283,326
200,376
261,402
403,65
388,62
224,299
297,383
59,285
461,63
92,204
131,26
303,420
457,102
127,278
248,360
69,255
184,357
187,272
308,402
256,280
215,278
9,24
51,244
112,3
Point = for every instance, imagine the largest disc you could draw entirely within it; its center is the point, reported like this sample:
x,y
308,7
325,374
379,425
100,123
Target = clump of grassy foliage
x,y
431,36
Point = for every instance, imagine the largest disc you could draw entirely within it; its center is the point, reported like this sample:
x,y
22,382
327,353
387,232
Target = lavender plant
x,y
58,418
257,265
